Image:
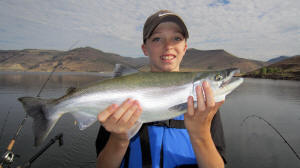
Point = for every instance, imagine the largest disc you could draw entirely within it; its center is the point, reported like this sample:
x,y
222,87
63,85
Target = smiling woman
x,y
199,131
165,48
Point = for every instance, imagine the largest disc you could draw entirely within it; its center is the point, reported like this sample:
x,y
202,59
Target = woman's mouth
x,y
167,58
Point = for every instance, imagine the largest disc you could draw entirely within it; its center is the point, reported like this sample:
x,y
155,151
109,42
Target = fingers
x,y
200,99
113,112
133,108
107,113
134,117
122,109
210,101
190,109
122,117
205,99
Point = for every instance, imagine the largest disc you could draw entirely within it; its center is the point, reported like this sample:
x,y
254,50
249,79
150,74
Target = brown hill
x,y
27,59
217,59
80,59
92,60
286,69
290,64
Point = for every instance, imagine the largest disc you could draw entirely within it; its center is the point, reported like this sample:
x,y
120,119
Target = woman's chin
x,y
169,68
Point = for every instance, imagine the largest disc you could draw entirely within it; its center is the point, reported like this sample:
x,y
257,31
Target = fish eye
x,y
218,77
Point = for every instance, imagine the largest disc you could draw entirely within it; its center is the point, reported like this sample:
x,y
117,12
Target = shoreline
x,y
273,77
105,74
109,74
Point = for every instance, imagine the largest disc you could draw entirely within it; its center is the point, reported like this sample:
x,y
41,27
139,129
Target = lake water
x,y
251,143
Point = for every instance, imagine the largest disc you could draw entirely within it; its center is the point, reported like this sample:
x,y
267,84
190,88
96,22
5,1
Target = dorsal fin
x,y
122,70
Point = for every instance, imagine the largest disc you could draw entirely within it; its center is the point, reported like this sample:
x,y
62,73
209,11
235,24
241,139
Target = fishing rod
x,y
58,138
276,130
8,156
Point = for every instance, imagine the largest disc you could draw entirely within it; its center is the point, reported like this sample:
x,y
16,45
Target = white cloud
x,y
251,28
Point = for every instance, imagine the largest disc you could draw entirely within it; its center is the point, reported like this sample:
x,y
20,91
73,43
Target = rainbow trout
x,y
162,96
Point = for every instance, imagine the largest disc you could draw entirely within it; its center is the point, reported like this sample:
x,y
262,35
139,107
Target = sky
x,y
252,29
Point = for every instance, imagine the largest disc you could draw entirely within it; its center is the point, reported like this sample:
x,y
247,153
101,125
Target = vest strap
x,y
145,147
179,124
145,142
126,157
161,161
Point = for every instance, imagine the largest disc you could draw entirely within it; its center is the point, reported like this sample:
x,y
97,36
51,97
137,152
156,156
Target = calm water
x,y
251,143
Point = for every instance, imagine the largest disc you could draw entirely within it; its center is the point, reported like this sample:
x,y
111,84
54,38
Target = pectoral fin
x,y
181,107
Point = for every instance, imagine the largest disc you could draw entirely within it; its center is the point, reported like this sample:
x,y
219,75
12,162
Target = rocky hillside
x,y
287,69
277,59
92,60
79,59
217,59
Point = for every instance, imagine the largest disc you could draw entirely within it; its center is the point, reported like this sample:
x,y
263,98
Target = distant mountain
x,y
80,59
277,59
286,69
92,60
217,59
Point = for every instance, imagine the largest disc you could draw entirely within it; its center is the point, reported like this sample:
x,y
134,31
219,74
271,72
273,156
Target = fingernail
x,y
190,99
205,84
134,103
129,100
114,106
199,88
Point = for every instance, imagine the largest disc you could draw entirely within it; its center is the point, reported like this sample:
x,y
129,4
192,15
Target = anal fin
x,y
134,129
84,120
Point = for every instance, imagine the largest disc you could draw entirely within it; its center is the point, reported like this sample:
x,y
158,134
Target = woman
x,y
165,43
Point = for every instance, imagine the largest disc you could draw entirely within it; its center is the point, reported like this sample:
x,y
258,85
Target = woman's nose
x,y
168,44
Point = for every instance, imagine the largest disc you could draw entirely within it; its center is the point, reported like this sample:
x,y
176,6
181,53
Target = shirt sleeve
x,y
102,139
218,135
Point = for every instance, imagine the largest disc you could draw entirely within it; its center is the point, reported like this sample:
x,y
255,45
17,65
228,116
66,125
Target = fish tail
x,y
42,122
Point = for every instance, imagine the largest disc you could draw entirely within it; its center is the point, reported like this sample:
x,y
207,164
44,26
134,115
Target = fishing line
x,y
4,124
43,86
276,130
50,75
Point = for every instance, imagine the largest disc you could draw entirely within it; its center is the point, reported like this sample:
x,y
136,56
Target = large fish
x,y
162,96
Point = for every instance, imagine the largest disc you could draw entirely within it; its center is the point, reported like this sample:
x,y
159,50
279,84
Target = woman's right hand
x,y
119,119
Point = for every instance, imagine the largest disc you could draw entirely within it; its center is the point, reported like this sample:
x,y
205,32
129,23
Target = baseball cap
x,y
159,17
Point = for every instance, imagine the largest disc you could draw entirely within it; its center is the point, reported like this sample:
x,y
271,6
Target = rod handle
x,y
10,146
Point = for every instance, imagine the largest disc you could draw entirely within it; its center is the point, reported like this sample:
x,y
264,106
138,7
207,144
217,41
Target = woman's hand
x,y
119,119
198,120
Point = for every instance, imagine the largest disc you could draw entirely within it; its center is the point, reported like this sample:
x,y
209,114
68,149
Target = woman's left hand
x,y
198,120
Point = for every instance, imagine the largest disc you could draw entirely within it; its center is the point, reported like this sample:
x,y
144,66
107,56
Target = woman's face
x,y
165,48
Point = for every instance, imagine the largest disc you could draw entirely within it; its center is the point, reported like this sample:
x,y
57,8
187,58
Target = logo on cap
x,y
163,14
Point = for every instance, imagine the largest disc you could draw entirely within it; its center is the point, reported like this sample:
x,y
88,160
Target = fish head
x,y
221,82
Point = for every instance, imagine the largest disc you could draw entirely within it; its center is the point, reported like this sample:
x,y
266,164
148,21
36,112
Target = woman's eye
x,y
156,39
178,38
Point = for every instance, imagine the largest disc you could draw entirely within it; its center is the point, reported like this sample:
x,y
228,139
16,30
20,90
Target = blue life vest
x,y
160,145
164,144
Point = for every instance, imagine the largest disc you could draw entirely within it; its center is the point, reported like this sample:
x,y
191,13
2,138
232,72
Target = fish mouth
x,y
167,58
232,78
